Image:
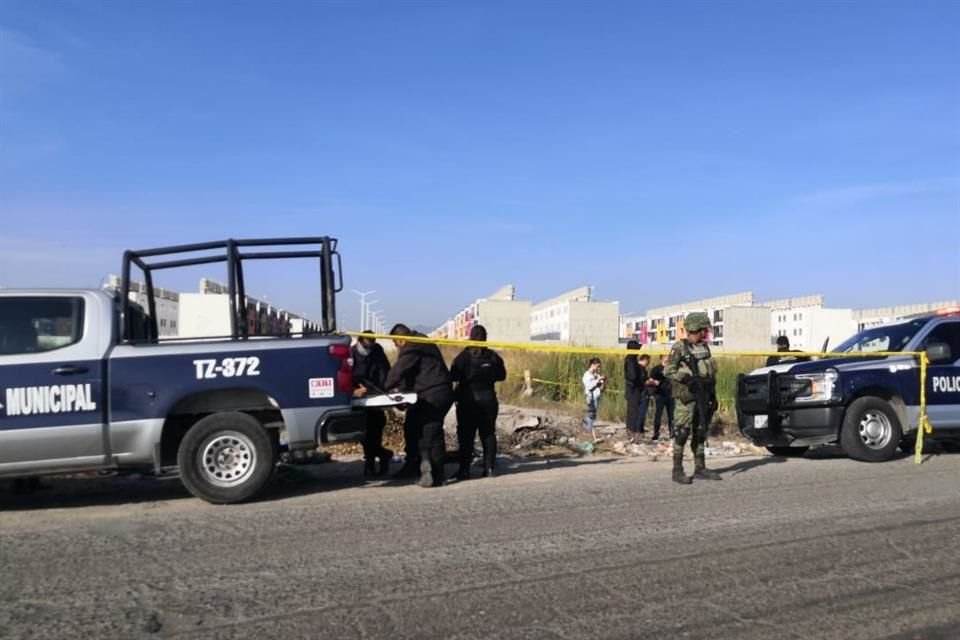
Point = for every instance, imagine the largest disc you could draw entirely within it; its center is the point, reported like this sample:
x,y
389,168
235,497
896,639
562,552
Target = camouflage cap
x,y
696,321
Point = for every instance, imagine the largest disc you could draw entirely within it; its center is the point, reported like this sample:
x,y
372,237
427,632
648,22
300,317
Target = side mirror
x,y
939,352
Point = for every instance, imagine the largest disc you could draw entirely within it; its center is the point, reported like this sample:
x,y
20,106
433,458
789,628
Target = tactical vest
x,y
699,356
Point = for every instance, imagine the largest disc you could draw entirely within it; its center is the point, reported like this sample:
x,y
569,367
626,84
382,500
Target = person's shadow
x,y
748,465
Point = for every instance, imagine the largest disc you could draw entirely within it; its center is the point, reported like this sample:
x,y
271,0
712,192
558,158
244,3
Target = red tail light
x,y
345,372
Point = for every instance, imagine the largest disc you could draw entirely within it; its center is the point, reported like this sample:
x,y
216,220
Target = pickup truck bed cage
x,y
234,252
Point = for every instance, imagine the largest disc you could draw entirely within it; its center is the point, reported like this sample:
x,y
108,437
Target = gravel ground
x,y
584,548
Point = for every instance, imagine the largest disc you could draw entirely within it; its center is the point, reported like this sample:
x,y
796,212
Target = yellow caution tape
x,y
925,426
559,348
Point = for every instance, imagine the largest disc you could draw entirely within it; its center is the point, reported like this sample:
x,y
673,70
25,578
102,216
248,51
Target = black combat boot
x,y
385,457
701,471
678,475
369,468
463,471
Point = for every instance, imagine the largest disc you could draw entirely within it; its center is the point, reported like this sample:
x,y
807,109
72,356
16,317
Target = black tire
x,y
871,430
226,457
788,452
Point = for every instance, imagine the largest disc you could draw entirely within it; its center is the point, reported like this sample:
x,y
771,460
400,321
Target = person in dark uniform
x,y
663,396
420,369
634,387
646,392
475,371
783,346
370,367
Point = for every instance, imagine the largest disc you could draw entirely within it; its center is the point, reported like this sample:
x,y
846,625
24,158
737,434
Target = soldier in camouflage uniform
x,y
692,371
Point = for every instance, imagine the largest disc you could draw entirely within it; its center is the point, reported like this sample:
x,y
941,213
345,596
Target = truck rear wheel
x,y
226,457
871,430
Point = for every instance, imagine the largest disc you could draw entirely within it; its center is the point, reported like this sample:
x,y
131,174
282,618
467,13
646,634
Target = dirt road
x,y
825,548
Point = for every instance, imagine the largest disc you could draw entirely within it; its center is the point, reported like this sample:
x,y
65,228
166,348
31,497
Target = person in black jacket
x,y
783,346
370,367
420,369
663,395
633,388
475,371
637,385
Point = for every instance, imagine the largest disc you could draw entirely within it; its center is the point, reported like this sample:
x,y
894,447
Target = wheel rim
x,y
875,429
227,459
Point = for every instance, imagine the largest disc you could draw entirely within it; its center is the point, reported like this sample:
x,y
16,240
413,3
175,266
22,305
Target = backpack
x,y
482,370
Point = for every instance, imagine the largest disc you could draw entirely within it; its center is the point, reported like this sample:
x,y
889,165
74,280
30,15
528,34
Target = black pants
x,y
634,422
638,402
423,429
373,441
663,401
477,415
411,438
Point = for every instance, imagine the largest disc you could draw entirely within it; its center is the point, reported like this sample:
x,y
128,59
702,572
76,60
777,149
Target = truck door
x,y
943,378
52,410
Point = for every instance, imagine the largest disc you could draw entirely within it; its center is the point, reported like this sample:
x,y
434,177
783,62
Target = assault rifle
x,y
706,405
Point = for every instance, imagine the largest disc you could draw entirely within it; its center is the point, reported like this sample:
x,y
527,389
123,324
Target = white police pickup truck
x,y
869,405
87,384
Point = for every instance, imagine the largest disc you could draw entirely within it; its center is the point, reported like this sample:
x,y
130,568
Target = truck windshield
x,y
889,338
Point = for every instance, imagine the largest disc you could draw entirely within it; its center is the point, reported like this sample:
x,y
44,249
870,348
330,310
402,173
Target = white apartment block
x,y
207,314
808,324
575,318
505,318
167,304
866,318
738,324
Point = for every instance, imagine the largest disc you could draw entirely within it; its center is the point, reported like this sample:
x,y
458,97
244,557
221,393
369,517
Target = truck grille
x,y
762,394
753,393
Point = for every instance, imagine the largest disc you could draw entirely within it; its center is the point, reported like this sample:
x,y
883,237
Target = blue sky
x,y
660,152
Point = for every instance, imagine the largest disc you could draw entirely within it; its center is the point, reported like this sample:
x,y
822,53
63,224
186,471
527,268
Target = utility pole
x,y
363,306
369,320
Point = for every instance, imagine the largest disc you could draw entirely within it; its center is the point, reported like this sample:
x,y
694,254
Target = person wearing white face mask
x,y
370,368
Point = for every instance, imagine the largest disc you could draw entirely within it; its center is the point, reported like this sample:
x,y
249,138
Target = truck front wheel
x,y
871,430
226,457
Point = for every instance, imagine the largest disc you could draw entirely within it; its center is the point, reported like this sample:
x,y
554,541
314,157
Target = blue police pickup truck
x,y
869,405
86,383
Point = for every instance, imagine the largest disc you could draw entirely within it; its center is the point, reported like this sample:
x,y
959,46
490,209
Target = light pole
x,y
376,321
363,306
368,323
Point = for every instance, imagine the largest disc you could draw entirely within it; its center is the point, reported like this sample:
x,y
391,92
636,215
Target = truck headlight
x,y
824,386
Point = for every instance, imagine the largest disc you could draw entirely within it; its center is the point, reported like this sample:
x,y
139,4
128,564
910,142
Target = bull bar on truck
x,y
784,423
